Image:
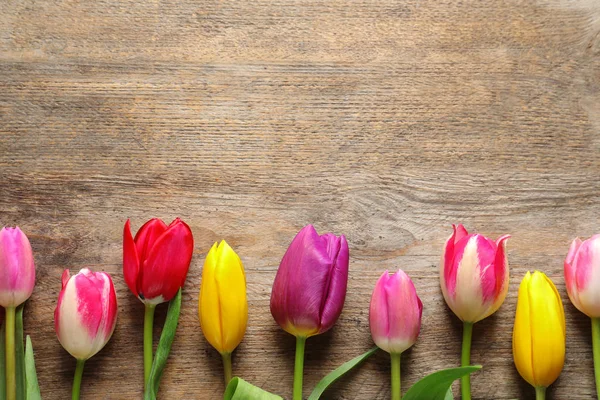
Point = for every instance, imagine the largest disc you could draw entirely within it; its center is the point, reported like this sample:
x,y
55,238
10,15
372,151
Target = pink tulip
x,y
17,270
395,313
86,312
310,286
582,275
474,274
156,262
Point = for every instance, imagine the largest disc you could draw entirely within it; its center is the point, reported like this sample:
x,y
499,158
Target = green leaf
x,y
20,353
337,373
449,395
3,360
164,347
33,388
239,389
436,386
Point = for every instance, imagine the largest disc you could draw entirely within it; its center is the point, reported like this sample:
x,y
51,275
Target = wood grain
x,y
383,120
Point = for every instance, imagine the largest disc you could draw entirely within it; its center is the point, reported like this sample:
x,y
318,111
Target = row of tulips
x,y
307,298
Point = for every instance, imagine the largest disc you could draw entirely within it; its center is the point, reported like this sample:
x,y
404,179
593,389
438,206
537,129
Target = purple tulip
x,y
310,286
17,270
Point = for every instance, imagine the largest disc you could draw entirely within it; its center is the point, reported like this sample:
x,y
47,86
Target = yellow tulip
x,y
539,334
222,305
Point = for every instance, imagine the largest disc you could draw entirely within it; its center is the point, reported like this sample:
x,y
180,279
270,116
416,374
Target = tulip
x,y
582,278
85,316
222,304
474,281
155,265
309,289
395,319
17,278
539,332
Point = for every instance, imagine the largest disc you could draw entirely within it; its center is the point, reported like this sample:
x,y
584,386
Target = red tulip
x,y
156,261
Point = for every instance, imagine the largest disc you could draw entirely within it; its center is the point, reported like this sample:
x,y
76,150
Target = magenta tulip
x,y
474,274
395,312
395,319
309,289
17,278
310,286
17,270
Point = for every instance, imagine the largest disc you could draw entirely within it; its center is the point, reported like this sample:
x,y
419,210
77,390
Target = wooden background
x,y
383,120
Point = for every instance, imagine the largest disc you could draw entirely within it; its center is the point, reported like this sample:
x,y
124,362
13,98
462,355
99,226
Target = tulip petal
x,y
333,303
405,309
468,302
547,321
378,313
496,293
586,260
147,235
131,260
570,273
89,301
164,270
501,270
522,345
573,250
449,273
209,305
231,286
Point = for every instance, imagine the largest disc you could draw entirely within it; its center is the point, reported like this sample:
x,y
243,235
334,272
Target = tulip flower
x,y
222,304
309,289
85,316
155,265
395,319
17,278
539,332
582,278
474,281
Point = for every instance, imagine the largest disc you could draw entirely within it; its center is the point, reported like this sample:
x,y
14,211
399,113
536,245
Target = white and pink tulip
x,y
474,274
86,313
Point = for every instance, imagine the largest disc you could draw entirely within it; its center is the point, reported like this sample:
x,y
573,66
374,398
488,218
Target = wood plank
x,y
381,120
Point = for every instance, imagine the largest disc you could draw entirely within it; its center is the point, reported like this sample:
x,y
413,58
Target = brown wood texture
x,y
383,120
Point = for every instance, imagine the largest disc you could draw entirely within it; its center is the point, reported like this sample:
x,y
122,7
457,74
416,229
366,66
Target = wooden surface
x,y
383,120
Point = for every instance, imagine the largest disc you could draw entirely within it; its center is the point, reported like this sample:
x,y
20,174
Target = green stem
x,y
11,378
148,326
299,367
465,360
77,380
540,393
596,348
396,391
227,367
